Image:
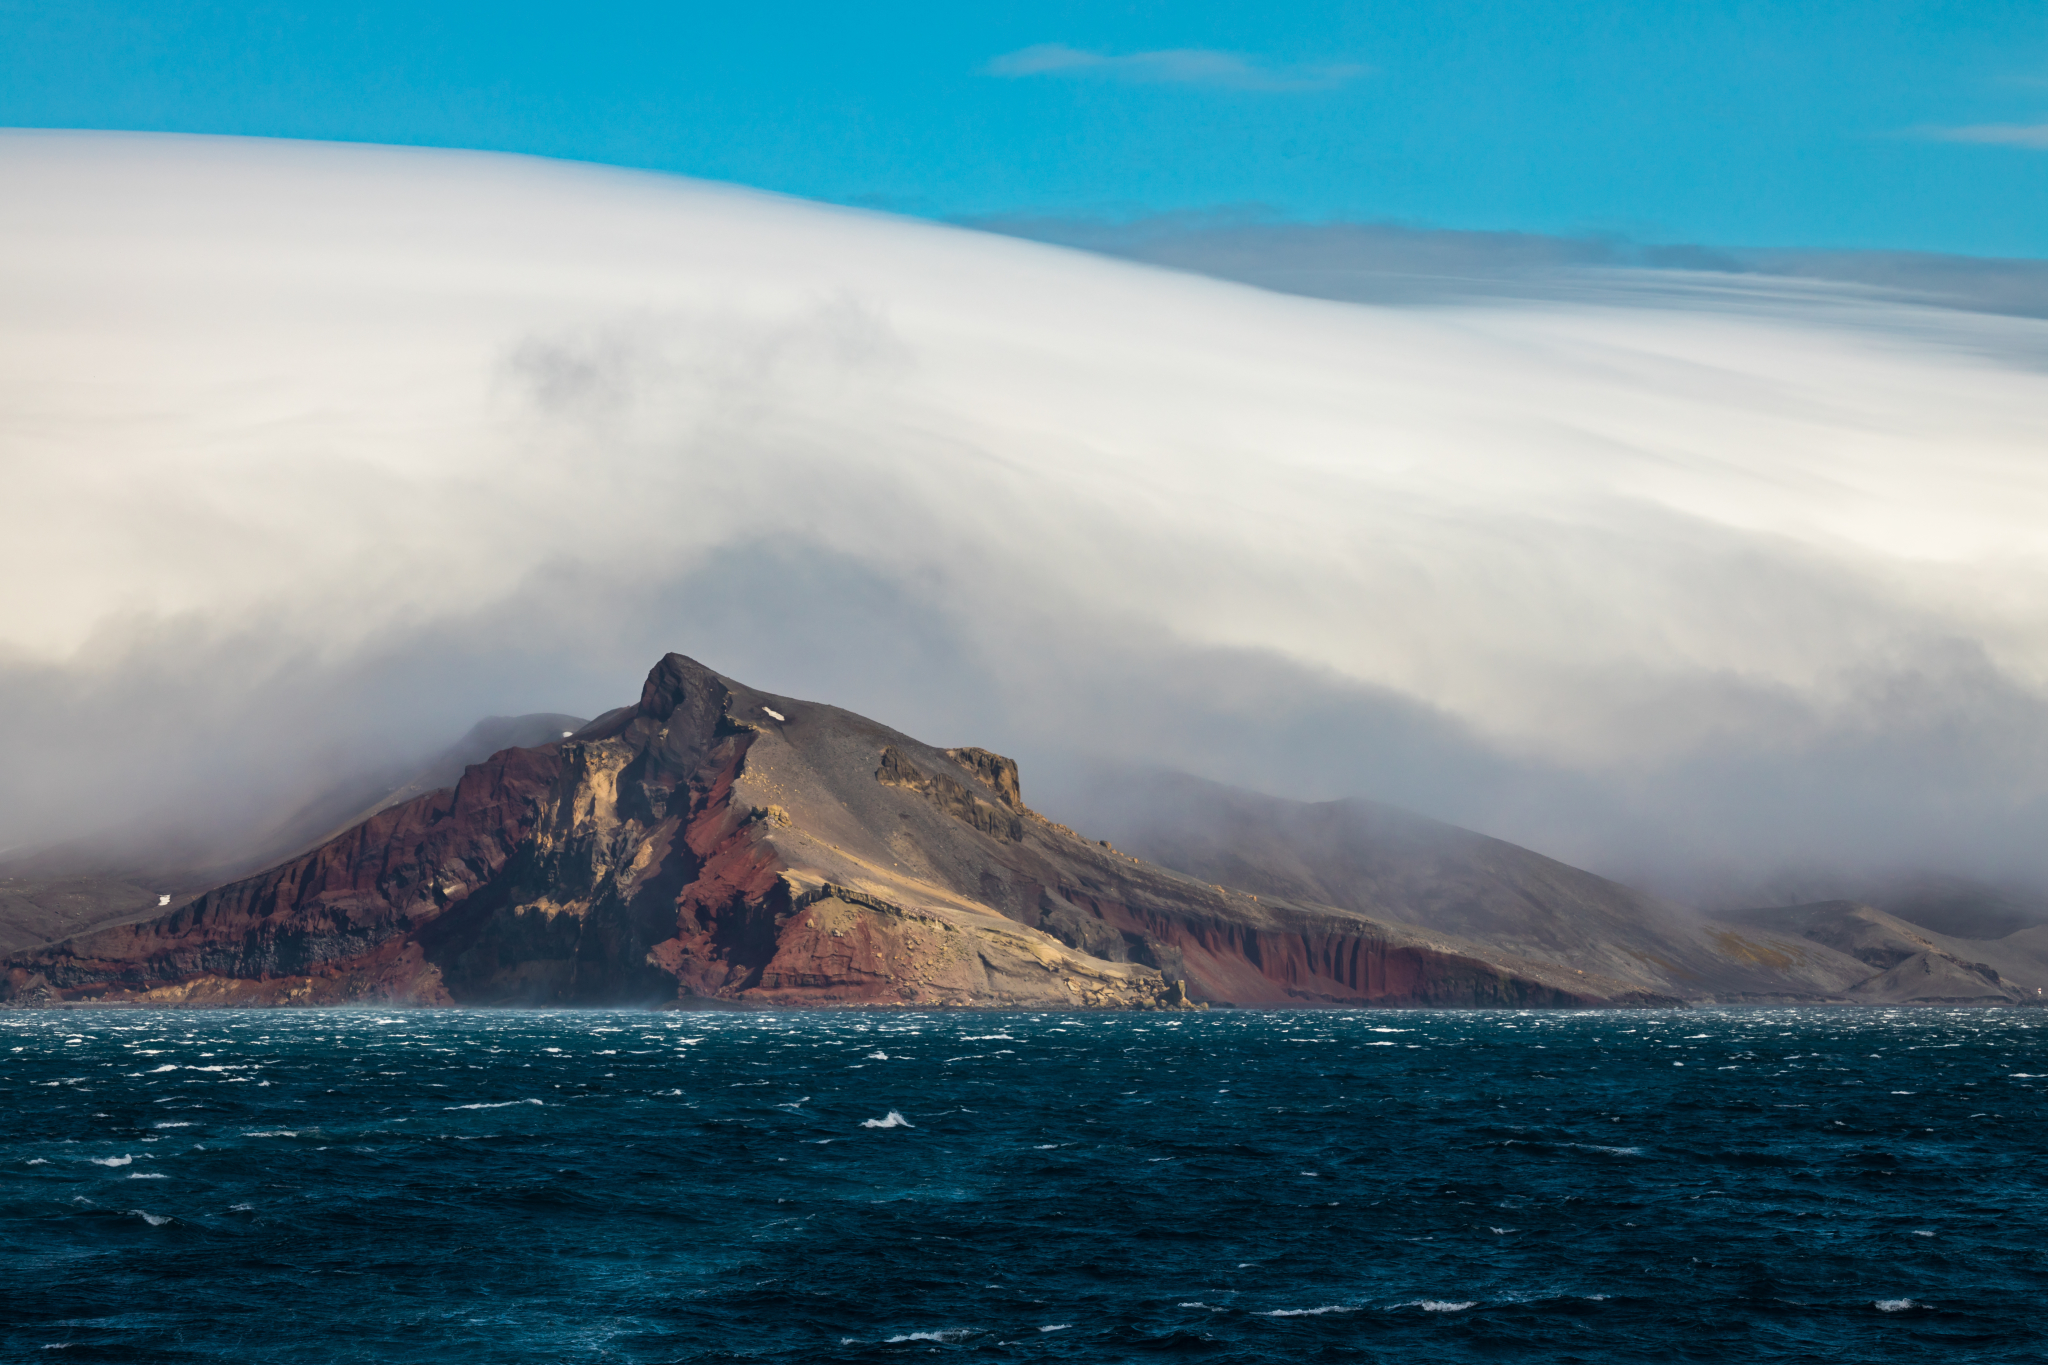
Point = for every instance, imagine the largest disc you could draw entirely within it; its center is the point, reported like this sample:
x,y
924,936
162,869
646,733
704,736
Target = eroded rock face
x,y
713,843
953,798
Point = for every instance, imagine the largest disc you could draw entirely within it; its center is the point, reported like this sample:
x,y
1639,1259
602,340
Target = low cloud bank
x,y
316,454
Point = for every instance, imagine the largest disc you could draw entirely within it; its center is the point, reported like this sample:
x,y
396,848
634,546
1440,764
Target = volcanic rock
x,y
713,843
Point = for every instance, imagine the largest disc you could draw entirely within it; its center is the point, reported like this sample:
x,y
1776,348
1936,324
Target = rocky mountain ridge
x,y
716,844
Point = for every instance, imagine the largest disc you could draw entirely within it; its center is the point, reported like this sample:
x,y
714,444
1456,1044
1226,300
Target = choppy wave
x,y
501,1104
1507,1184
948,1334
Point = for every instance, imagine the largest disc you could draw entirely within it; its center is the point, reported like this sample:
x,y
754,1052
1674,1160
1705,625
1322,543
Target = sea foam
x,y
503,1104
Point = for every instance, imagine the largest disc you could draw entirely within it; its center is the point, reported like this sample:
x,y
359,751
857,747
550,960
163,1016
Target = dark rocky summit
x,y
712,843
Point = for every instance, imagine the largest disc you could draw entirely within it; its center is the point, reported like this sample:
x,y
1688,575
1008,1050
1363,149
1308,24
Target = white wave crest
x,y
1446,1305
1894,1305
949,1334
894,1120
112,1160
1308,1312
504,1104
150,1218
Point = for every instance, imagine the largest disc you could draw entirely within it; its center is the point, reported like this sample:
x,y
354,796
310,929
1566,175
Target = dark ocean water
x,y
469,1186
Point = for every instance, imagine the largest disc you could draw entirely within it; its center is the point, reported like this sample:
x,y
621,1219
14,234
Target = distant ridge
x,y
1912,964
1384,861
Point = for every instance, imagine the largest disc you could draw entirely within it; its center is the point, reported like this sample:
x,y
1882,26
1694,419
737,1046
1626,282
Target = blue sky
x,y
1882,124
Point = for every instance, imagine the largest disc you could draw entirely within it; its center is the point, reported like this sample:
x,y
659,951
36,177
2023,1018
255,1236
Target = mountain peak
x,y
679,681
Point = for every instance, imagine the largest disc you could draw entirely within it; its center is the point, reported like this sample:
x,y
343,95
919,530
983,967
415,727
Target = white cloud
x,y
1175,66
314,451
2032,135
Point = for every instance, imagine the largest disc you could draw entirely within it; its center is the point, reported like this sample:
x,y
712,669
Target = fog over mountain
x,y
316,454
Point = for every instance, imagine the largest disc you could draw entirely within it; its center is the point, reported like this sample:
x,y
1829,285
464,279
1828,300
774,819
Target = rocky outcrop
x,y
951,797
711,843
